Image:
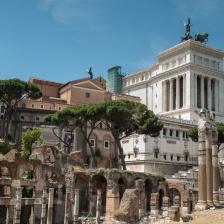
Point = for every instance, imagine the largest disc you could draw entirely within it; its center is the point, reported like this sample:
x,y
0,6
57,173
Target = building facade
x,y
186,78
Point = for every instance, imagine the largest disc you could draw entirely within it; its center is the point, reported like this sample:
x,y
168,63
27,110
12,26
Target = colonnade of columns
x,y
174,93
208,173
206,92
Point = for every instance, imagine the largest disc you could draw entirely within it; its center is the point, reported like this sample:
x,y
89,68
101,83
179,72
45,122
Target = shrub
x,y
28,138
4,147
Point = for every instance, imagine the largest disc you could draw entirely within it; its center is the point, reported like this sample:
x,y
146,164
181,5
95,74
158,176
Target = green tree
x,y
12,91
124,118
28,138
121,117
78,118
193,134
4,147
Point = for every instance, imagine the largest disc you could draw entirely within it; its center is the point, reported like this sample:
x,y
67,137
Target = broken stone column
x,y
140,186
98,206
166,202
154,204
50,205
91,200
43,207
215,167
185,209
209,170
17,210
113,201
67,204
174,211
7,215
31,219
76,207
202,198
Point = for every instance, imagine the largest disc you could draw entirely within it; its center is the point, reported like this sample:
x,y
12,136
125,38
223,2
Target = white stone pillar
x,y
184,90
209,94
216,95
177,92
43,207
171,94
195,91
50,205
202,93
76,206
17,206
165,96
98,206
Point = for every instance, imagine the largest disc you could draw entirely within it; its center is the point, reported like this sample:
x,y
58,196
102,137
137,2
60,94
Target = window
x,y
184,134
186,157
59,108
2,109
106,144
171,133
32,106
87,95
156,154
92,142
42,106
22,118
171,157
178,158
164,156
2,117
177,134
164,132
37,119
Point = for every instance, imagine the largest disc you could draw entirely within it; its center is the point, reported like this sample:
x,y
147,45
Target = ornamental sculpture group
x,y
208,175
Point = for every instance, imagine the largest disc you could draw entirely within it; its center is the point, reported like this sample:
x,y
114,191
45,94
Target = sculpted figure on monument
x,y
204,124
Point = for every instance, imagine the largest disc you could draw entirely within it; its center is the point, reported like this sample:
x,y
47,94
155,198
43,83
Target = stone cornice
x,y
190,45
180,69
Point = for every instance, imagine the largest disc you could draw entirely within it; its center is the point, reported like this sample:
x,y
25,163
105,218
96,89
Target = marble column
x,y
216,95
7,215
171,94
165,96
31,219
184,89
98,206
50,206
43,207
17,208
140,186
195,92
177,92
202,92
202,199
209,182
67,204
76,207
209,95
215,167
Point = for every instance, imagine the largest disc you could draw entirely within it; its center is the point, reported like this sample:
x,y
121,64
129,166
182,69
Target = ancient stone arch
x,y
148,191
99,182
173,192
122,185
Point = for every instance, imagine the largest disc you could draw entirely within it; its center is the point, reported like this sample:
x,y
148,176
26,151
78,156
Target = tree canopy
x,y
121,117
12,91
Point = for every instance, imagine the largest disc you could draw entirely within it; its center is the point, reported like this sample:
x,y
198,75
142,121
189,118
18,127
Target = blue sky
x,y
59,39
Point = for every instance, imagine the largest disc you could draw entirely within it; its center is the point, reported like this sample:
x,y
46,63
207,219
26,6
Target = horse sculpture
x,y
201,37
